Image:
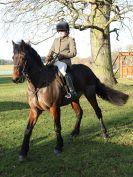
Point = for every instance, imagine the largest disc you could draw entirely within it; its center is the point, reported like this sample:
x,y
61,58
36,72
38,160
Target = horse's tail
x,y
113,96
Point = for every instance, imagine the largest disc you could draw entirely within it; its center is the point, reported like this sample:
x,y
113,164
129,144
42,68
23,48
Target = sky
x,y
81,37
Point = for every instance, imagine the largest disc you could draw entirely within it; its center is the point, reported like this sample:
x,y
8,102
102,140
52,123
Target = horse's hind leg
x,y
33,115
55,111
79,112
94,104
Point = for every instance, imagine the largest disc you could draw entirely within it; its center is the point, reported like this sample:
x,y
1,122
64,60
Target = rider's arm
x,y
72,48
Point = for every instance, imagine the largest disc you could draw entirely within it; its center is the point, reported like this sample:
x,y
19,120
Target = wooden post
x,y
120,65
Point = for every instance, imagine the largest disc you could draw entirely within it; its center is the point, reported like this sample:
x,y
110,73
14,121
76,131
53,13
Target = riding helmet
x,y
62,26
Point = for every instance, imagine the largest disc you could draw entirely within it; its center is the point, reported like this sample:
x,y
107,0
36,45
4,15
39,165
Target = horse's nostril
x,y
15,80
19,79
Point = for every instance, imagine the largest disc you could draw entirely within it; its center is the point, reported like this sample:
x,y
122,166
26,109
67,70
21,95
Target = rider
x,y
65,47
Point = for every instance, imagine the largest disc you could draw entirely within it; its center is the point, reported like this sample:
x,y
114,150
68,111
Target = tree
x,y
39,17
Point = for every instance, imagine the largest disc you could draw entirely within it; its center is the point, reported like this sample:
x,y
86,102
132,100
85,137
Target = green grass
x,y
87,156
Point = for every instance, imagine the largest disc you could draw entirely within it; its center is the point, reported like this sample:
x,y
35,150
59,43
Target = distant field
x,y
6,67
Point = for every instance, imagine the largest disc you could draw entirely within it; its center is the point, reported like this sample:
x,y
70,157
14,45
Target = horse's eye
x,y
22,57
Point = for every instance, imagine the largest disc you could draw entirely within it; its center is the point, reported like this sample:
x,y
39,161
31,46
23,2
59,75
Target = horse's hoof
x,y
105,136
70,139
74,135
57,151
22,158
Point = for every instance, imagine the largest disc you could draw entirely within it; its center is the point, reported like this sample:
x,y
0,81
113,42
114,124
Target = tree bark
x,y
100,43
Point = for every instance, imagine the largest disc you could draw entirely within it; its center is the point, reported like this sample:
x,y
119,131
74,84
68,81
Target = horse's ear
x,y
13,43
22,42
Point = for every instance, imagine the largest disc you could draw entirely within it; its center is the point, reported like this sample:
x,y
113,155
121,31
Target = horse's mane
x,y
31,51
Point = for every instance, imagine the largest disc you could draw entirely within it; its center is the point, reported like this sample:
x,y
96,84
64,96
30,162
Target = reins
x,y
54,59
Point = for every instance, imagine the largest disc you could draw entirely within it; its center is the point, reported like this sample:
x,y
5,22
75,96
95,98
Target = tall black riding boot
x,y
69,83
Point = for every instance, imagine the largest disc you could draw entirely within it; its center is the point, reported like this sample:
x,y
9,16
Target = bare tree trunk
x,y
100,44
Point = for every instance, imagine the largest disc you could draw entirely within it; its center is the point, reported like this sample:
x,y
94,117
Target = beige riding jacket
x,y
65,47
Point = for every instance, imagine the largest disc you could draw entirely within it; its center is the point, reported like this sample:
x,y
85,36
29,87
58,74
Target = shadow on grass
x,y
5,79
8,105
86,156
83,157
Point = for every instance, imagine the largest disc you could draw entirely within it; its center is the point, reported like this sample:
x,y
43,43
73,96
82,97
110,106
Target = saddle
x,y
50,73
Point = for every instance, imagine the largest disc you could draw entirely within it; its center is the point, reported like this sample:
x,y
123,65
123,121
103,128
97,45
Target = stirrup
x,y
73,94
68,95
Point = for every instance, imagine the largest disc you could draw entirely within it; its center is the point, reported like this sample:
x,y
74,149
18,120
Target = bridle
x,y
24,69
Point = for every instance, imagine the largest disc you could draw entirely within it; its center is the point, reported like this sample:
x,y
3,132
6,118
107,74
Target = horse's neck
x,y
35,73
42,76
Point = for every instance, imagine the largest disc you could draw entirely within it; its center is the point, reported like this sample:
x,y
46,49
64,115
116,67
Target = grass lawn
x,y
87,156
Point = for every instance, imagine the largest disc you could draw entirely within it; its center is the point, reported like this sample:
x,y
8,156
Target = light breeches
x,y
61,66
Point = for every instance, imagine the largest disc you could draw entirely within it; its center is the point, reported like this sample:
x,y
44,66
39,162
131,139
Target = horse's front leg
x,y
55,111
33,115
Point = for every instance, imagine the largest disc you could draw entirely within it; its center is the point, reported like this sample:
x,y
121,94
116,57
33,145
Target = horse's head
x,y
26,61
19,61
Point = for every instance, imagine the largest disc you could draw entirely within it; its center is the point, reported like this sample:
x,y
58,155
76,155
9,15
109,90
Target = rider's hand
x,y
48,59
60,57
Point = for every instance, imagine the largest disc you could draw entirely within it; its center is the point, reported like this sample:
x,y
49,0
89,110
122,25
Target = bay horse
x,y
46,92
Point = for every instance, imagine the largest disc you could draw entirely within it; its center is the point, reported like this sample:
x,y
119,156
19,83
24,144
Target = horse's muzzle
x,y
19,80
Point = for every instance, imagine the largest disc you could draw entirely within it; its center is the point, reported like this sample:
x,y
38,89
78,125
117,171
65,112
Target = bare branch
x,y
36,43
116,31
42,15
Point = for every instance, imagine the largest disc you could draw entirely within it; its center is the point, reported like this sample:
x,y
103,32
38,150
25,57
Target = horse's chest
x,y
41,99
46,98
32,100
